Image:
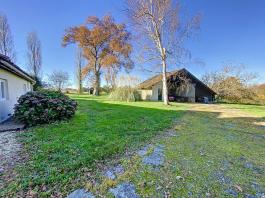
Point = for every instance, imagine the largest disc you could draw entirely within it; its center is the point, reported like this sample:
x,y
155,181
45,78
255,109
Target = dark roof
x,y
147,84
8,65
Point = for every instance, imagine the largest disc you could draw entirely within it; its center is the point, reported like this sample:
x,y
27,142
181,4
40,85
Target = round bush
x,y
40,107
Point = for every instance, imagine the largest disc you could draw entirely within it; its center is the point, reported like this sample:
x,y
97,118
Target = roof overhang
x,y
14,69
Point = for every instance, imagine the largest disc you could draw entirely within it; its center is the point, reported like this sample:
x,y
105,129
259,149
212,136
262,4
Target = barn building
x,y
183,86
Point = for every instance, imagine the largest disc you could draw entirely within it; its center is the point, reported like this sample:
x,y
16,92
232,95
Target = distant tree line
x,y
260,91
233,84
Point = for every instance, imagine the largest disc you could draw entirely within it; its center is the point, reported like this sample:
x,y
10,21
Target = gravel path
x,y
9,148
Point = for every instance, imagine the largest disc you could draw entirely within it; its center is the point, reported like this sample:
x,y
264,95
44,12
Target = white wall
x,y
145,94
155,91
15,88
151,94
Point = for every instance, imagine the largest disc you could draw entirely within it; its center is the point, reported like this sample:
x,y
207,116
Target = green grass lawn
x,y
218,154
99,130
258,110
218,150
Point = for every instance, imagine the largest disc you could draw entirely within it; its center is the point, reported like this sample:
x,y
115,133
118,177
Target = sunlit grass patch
x,y
99,130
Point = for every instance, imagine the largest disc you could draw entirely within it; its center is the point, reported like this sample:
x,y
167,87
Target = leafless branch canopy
x,y
79,67
231,82
6,39
34,54
58,79
160,24
162,27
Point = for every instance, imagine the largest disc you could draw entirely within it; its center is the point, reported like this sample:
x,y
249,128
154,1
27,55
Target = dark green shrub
x,y
126,93
38,84
40,107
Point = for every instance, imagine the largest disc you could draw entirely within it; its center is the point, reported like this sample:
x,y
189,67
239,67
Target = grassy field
x,y
257,110
58,153
216,150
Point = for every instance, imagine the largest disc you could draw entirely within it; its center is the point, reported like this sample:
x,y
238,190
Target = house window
x,y
3,89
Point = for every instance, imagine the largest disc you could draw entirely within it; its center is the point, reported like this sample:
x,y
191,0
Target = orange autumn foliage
x,y
104,43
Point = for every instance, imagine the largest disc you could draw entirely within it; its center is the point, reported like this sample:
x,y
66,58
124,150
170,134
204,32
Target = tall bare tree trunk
x,y
80,87
80,83
60,87
164,80
79,78
96,84
164,72
34,58
79,66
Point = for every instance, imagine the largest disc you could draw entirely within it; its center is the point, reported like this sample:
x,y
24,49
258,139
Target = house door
x,y
159,94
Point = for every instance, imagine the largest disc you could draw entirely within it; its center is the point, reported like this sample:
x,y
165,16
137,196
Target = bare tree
x,y
128,81
160,24
79,67
58,79
34,54
6,39
34,58
232,83
260,90
111,77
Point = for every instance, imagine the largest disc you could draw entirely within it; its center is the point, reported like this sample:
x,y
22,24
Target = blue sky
x,y
232,31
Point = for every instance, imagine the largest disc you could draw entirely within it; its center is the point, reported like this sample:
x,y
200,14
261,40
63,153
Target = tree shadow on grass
x,y
59,152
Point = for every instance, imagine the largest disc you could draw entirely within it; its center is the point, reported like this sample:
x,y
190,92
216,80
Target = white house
x,y
14,82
